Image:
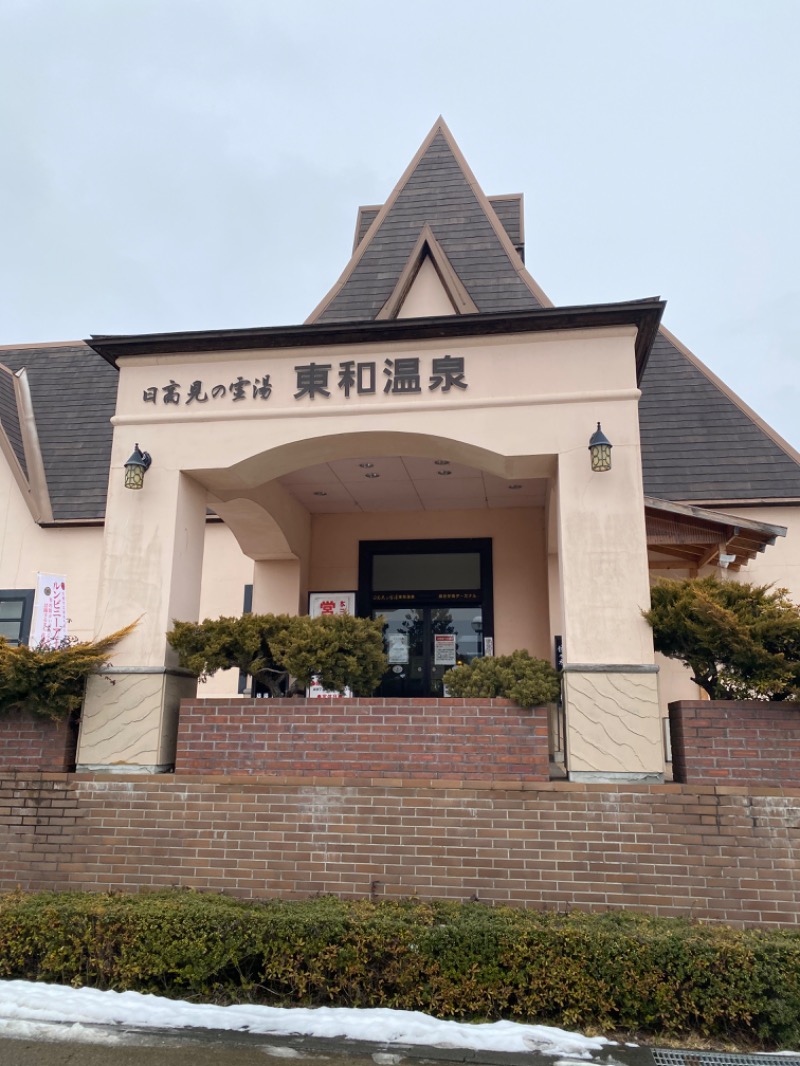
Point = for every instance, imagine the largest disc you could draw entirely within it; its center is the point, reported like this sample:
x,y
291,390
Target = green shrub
x,y
527,681
342,651
618,972
50,682
740,641
224,643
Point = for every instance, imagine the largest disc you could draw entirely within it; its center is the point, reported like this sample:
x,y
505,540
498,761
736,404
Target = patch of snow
x,y
27,1003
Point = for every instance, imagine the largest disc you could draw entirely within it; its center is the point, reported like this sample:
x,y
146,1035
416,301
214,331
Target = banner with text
x,y
50,611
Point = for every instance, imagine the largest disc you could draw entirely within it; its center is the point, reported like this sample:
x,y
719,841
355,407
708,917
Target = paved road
x,y
206,1049
130,1047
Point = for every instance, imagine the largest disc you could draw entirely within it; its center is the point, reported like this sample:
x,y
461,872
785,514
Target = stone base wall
x,y
724,853
381,739
31,743
735,742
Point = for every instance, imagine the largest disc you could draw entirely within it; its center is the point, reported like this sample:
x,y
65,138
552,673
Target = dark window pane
x,y
435,571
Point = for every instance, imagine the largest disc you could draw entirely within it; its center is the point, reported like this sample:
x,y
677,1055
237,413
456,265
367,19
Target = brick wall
x,y
481,740
719,853
735,743
28,742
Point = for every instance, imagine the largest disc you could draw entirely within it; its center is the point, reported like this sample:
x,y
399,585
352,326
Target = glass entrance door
x,y
435,597
423,643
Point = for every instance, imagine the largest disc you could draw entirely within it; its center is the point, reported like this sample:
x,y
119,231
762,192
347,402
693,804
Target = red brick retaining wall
x,y
28,742
703,852
464,739
735,742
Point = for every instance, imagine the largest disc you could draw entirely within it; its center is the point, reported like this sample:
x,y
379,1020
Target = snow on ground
x,y
29,1009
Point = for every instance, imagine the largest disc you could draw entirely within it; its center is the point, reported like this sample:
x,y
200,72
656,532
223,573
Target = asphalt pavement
x,y
104,1045
108,1045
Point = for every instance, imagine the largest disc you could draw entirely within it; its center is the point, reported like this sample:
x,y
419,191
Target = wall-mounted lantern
x,y
600,451
136,467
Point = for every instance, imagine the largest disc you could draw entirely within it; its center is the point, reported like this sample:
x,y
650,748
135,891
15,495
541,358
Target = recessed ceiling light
x,y
515,486
320,493
441,462
366,466
444,473
372,475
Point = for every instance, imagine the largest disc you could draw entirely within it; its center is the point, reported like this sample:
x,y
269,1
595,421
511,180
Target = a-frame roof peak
x,y
437,189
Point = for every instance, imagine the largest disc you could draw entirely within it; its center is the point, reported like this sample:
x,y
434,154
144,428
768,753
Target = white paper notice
x,y
444,649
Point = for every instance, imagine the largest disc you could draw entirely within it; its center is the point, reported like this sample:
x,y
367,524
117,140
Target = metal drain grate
x,y
670,1057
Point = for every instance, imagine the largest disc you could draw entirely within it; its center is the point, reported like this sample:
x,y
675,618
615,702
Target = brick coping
x,y
351,701
407,784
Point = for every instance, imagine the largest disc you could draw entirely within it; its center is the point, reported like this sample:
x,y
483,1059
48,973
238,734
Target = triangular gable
x,y
701,442
437,188
428,248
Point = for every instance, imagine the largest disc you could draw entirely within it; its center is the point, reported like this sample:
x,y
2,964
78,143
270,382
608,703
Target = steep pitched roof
x,y
74,394
437,189
700,442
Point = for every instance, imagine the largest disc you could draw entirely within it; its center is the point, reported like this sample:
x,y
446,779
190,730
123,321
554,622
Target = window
x,y
16,611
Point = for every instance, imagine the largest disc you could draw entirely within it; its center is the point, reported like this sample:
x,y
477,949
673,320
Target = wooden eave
x,y
688,537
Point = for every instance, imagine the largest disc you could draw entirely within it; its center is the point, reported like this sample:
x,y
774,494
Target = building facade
x,y
418,449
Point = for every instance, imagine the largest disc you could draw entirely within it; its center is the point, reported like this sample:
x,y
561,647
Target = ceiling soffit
x,y
406,483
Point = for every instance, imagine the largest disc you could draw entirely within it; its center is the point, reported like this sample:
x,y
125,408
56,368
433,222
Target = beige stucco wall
x,y
73,551
518,553
779,564
225,573
426,296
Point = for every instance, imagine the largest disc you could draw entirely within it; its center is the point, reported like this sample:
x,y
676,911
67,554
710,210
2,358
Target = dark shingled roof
x,y
9,415
509,210
366,216
698,444
437,191
74,393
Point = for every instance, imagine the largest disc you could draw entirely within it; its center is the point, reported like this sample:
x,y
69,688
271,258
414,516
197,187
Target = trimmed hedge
x,y
617,972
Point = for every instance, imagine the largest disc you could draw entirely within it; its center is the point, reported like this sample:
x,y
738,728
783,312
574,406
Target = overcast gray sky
x,y
197,164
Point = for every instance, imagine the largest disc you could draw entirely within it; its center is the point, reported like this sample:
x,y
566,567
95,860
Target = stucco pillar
x,y
151,569
613,728
277,587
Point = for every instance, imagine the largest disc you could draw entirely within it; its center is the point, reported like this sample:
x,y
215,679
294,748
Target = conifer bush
x,y
340,650
740,641
529,682
50,682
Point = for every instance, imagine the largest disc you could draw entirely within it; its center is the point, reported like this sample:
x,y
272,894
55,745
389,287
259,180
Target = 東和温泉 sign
x,y
403,376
